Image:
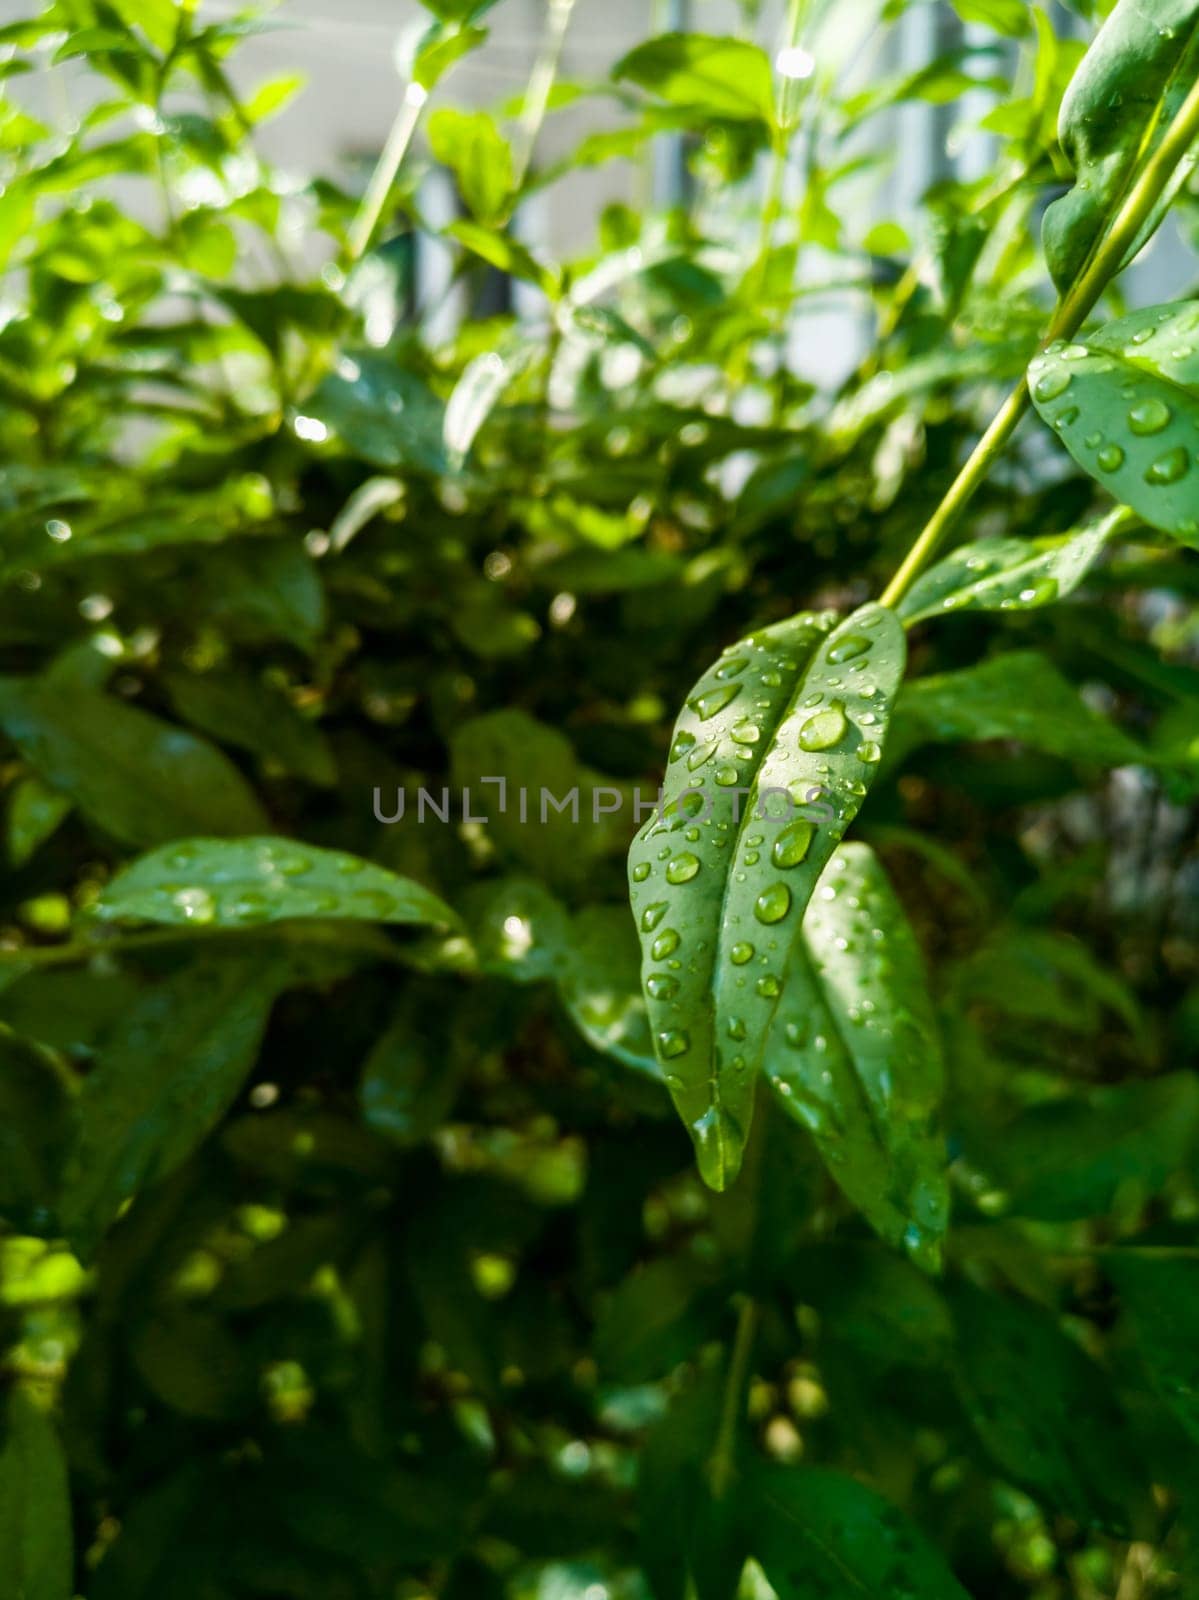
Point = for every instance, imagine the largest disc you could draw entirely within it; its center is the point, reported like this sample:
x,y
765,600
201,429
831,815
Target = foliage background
x,y
359,1253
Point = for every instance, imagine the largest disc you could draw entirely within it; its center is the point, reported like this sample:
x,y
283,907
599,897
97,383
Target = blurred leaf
x,y
1160,1296
385,415
35,812
138,778
35,1507
471,145
721,77
244,882
134,1122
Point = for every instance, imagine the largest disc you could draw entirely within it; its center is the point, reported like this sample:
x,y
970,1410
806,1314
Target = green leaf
x,y
470,144
1075,1157
35,811
600,985
163,1078
235,707
438,51
1125,401
35,1506
507,254
33,1129
1019,696
517,927
386,415
853,1053
1160,1297
720,76
412,1073
236,883
1116,111
1044,1411
1009,574
797,714
820,1532
691,1540
139,778
656,1318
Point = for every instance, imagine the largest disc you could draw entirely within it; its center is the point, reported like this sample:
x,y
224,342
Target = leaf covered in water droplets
x,y
1008,574
771,759
853,1053
1113,116
240,882
1125,400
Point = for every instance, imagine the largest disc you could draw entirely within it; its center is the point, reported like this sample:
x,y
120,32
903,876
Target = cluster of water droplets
x,y
241,885
1153,352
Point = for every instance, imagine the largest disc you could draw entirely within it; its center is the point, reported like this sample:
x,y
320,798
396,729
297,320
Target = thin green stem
x,y
724,1452
403,129
1071,313
537,94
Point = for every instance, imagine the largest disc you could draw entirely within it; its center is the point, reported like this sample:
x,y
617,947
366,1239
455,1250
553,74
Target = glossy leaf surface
x,y
1125,401
854,1055
792,717
241,882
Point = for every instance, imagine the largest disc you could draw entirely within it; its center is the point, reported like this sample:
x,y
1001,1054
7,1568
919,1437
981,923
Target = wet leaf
x,y
854,1055
1009,574
237,883
1115,112
1125,401
795,717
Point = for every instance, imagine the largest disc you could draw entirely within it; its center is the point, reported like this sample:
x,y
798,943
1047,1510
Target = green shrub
x,y
351,1245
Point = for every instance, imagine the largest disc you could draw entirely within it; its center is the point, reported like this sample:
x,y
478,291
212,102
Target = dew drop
x,y
682,743
1110,458
726,777
197,905
737,1028
1149,417
706,705
773,904
793,843
652,916
1051,385
683,868
746,733
1168,468
823,730
641,872
1039,593
853,644
664,945
673,1043
701,754
870,752
661,986
769,986
732,668
740,954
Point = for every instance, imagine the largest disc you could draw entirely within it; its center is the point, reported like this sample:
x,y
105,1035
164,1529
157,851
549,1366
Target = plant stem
x,y
362,229
537,94
721,1465
1072,311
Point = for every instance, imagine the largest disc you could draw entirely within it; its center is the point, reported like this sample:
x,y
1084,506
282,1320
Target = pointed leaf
x,y
1019,696
820,1532
141,779
723,77
169,1070
1009,574
235,883
787,719
854,1055
1125,400
470,144
1161,1298
1114,114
